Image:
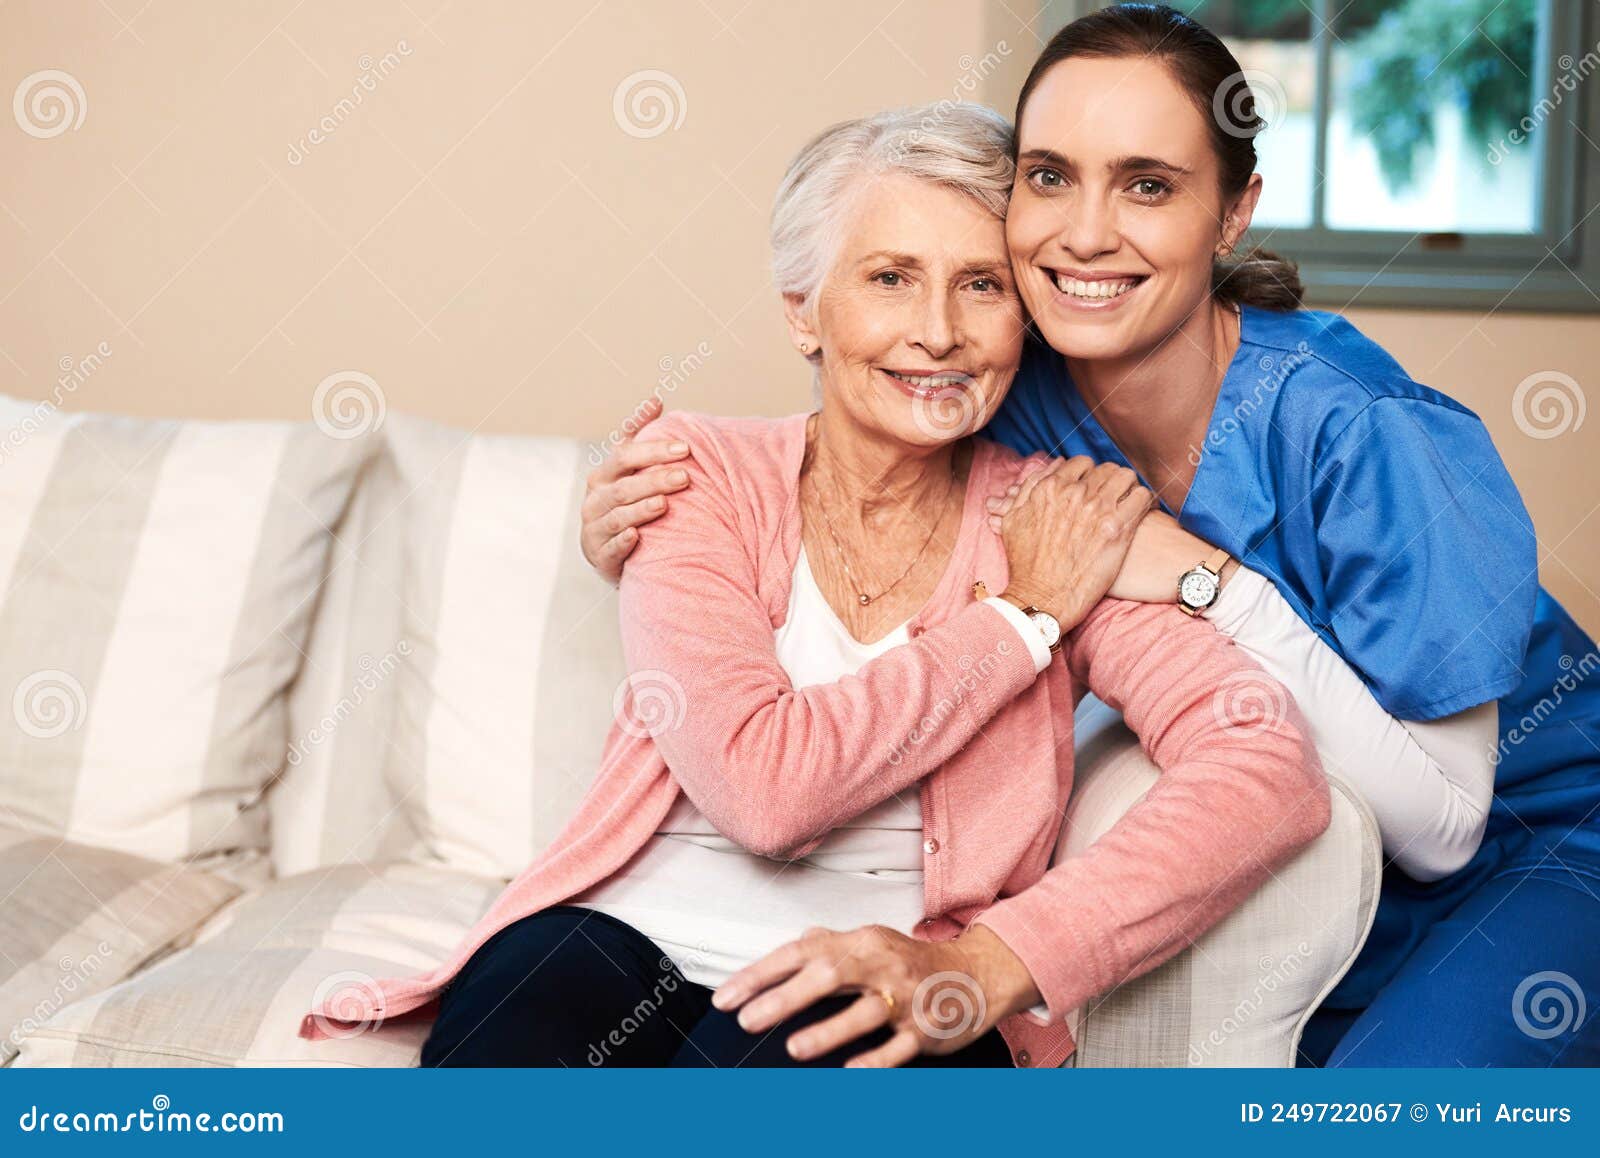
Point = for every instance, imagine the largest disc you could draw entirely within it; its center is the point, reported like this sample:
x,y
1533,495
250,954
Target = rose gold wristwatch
x,y
1049,626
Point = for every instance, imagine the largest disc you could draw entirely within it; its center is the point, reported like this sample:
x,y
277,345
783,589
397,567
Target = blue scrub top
x,y
1387,519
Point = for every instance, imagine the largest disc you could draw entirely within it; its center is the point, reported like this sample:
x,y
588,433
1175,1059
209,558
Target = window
x,y
1424,152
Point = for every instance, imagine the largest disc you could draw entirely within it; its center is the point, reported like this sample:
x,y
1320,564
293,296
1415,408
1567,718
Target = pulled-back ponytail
x,y
1211,75
1258,277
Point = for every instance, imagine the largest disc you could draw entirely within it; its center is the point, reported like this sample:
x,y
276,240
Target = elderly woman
x,y
822,829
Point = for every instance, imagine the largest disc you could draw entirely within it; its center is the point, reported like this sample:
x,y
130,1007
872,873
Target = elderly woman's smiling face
x,y
918,322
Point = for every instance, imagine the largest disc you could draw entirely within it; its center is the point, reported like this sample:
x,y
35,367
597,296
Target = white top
x,y
1429,784
712,906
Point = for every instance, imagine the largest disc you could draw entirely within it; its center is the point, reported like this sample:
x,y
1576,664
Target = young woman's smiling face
x,y
1117,211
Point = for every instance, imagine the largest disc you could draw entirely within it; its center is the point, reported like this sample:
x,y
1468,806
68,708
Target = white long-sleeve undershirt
x,y
1429,783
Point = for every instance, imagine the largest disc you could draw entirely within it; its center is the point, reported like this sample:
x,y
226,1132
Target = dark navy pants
x,y
569,986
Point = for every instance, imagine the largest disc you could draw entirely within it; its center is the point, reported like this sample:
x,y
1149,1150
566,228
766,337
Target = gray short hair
x,y
962,146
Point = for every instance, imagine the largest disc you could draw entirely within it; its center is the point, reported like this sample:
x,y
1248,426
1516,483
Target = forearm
x,y
1429,784
1232,803
773,767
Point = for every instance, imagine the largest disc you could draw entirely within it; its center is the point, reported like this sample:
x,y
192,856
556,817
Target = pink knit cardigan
x,y
959,714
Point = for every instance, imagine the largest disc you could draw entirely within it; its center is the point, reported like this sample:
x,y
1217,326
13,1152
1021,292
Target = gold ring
x,y
888,998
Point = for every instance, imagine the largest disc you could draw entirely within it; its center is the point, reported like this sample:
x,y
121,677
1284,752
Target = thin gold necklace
x,y
861,596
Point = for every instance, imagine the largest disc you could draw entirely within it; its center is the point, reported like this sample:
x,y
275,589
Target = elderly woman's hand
x,y
934,996
1067,528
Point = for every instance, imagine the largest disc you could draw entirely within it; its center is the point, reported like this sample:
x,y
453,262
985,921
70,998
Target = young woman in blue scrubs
x,y
1377,506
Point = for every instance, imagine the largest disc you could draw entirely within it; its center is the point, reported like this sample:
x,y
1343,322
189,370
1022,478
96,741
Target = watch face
x,y
1197,588
1048,627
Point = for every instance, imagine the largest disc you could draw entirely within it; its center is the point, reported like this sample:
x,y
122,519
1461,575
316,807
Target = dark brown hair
x,y
1211,75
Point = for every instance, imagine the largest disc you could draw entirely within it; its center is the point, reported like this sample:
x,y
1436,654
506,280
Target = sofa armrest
x,y
1242,994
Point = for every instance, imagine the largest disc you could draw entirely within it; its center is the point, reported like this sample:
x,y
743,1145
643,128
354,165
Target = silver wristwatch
x,y
1198,587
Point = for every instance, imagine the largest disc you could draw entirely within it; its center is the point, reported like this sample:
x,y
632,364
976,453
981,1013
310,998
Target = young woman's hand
x,y
626,491
934,996
1067,528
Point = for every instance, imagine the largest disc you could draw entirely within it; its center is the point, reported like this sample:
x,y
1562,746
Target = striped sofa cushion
x,y
76,920
156,585
236,996
467,647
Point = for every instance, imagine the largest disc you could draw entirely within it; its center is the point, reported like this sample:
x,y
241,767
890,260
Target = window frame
x,y
1555,269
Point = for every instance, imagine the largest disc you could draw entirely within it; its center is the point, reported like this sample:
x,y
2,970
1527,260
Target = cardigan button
x,y
930,846
1024,1058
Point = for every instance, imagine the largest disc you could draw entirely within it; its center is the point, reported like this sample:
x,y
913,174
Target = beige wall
x,y
480,235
